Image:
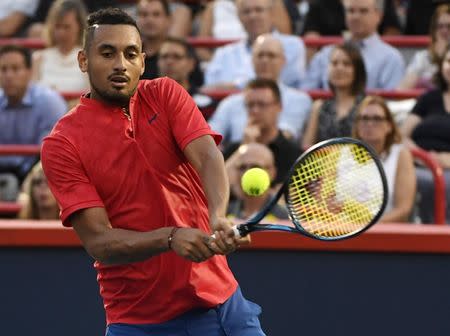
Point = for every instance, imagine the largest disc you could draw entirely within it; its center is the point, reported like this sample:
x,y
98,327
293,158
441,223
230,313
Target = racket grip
x,y
236,231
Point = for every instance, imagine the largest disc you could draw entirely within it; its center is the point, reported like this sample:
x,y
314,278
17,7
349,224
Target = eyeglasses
x,y
246,166
176,57
256,10
269,55
374,119
258,104
443,26
38,181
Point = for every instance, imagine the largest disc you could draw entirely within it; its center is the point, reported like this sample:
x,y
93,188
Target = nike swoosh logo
x,y
152,118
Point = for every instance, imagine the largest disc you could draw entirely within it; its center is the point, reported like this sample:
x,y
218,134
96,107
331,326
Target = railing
x,y
440,202
207,42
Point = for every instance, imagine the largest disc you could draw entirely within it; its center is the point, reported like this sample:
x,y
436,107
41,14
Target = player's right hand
x,y
192,244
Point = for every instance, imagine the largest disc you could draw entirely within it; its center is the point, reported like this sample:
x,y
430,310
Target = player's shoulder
x,y
157,85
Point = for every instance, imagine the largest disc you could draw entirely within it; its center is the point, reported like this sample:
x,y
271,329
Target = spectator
x,y
375,126
268,59
263,103
297,11
428,128
177,60
328,18
37,200
220,20
14,15
347,79
154,21
57,65
423,66
231,65
384,64
252,155
181,24
28,111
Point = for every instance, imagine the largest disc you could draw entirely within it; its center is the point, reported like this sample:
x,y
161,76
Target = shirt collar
x,y
27,99
370,40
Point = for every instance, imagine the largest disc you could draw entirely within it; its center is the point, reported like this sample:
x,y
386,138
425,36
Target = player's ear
x,y
82,61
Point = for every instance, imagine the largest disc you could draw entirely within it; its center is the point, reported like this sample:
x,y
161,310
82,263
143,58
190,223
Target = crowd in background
x,y
270,119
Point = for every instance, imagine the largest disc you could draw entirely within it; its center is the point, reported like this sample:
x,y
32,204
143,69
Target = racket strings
x,y
336,191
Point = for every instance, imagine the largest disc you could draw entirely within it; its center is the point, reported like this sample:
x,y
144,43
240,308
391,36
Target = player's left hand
x,y
225,240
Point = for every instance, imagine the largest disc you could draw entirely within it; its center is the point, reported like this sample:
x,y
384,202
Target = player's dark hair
x,y
263,83
190,52
12,48
107,16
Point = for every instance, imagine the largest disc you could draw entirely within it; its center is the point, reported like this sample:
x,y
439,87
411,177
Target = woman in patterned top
x,y
347,79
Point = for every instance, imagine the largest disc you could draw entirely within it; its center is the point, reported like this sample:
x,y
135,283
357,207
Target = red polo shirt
x,y
136,170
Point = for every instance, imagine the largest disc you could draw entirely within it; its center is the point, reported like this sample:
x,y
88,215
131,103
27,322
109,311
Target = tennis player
x,y
137,173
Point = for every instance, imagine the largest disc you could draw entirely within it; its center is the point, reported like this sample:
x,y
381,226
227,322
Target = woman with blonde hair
x,y
57,65
37,200
375,125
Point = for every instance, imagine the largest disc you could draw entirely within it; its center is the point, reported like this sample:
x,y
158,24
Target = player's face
x,y
373,125
174,62
152,20
262,108
14,75
362,17
268,60
341,72
114,63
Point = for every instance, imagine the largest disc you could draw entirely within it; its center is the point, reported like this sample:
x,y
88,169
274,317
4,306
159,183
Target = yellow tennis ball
x,y
255,181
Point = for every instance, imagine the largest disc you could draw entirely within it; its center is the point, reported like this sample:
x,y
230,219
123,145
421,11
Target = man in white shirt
x,y
385,65
231,65
230,117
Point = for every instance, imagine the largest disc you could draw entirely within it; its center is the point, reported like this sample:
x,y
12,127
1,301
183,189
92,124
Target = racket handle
x,y
236,231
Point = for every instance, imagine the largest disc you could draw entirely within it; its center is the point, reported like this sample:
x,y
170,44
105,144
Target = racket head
x,y
336,189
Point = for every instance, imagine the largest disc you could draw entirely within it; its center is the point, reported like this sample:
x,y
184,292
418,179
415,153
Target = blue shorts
x,y
235,317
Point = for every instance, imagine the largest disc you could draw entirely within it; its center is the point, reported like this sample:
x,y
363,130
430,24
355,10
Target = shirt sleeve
x,y
424,103
67,179
393,71
315,71
186,121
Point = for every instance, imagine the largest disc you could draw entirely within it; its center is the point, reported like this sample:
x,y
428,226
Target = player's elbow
x,y
107,253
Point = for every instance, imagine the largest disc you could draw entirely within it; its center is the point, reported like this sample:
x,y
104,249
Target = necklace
x,y
126,113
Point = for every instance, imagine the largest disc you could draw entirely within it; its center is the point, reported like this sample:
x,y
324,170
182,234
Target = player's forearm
x,y
119,246
215,184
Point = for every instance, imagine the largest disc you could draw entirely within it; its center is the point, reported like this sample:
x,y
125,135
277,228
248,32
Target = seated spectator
x,y
252,155
37,200
268,59
57,65
375,125
231,66
28,111
423,66
177,61
327,18
428,128
384,64
263,103
154,21
181,14
334,117
297,11
14,15
220,21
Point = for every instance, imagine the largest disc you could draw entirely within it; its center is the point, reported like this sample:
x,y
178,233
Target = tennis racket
x,y
335,190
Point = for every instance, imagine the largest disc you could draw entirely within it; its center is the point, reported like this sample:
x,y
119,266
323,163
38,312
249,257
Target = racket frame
x,y
252,224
